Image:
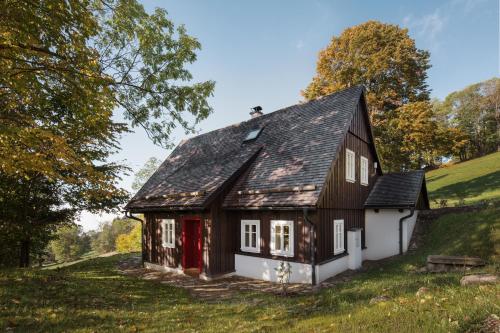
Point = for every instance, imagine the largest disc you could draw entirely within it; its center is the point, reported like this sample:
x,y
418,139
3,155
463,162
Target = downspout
x,y
412,211
130,216
312,246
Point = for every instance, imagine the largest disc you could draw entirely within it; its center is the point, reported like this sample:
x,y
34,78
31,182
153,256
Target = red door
x,y
191,244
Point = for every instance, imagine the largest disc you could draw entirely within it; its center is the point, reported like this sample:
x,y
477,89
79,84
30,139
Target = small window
x,y
253,134
282,238
350,166
364,171
168,233
250,236
338,236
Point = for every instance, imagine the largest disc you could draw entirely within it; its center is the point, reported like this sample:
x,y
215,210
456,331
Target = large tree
x,y
383,58
67,66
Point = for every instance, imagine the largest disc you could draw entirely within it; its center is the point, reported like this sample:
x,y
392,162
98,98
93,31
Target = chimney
x,y
256,112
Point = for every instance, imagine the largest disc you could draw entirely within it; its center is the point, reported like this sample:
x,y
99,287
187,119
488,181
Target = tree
x,y
475,113
145,172
130,242
384,59
30,212
423,139
69,243
109,232
66,67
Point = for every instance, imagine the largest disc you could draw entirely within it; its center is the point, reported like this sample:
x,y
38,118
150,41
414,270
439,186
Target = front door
x,y
191,244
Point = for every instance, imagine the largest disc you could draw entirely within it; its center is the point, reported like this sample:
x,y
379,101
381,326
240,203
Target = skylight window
x,y
253,134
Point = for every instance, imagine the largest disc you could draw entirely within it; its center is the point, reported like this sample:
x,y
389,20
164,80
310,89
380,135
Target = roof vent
x,y
256,112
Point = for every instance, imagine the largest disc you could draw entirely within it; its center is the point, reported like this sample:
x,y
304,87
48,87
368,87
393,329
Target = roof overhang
x,y
271,208
163,209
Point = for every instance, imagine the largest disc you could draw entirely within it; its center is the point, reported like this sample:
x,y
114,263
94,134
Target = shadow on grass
x,y
469,188
434,178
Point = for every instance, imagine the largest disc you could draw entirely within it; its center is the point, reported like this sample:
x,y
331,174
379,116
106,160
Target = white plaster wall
x,y
382,232
264,269
409,226
331,268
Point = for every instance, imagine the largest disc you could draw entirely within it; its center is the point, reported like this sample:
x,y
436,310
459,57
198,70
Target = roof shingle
x,y
396,190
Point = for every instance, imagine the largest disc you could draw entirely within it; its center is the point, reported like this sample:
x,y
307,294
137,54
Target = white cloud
x,y
467,5
300,44
427,27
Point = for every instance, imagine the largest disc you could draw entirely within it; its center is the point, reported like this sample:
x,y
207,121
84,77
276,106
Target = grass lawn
x,y
473,181
91,296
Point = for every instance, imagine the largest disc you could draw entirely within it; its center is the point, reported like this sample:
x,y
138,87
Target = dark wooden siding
x,y
154,252
341,199
221,237
301,232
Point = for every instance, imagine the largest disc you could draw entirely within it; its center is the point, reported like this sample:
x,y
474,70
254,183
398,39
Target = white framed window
x,y
338,236
282,238
350,166
168,233
364,170
250,236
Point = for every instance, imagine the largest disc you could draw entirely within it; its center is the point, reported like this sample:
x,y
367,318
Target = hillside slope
x,y
91,296
471,181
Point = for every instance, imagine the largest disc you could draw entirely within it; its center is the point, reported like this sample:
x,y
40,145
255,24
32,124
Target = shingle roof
x,y
295,148
396,190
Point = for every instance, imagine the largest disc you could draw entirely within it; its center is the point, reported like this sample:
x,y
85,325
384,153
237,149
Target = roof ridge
x,y
283,109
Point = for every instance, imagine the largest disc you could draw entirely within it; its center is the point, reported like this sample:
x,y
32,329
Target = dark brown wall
x,y
221,237
154,252
301,232
341,199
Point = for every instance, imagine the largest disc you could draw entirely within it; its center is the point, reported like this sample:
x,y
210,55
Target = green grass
x,y
91,296
473,181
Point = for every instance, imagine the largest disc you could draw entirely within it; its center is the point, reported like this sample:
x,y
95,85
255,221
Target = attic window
x,y
253,134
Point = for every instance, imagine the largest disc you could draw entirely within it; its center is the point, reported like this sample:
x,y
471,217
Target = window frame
x,y
350,171
244,248
165,242
291,241
336,248
363,172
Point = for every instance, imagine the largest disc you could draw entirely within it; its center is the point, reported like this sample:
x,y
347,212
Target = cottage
x,y
302,184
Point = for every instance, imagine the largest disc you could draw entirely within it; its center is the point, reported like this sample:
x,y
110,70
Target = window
x,y
364,170
250,236
282,238
253,134
338,236
168,233
350,166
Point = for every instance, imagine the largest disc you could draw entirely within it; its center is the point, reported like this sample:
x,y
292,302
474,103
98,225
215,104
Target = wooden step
x,y
455,260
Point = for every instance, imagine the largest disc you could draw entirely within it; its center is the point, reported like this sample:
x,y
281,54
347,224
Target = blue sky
x,y
264,52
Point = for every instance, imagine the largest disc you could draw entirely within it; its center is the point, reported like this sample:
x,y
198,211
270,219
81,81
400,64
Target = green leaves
x,y
67,66
148,70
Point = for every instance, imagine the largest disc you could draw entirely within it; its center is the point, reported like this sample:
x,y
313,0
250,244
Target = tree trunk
x,y
24,258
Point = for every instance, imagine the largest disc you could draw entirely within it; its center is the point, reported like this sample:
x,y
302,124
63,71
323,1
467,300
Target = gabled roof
x,y
398,190
286,165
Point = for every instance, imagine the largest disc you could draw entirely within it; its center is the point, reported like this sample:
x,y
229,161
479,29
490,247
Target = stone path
x,y
220,289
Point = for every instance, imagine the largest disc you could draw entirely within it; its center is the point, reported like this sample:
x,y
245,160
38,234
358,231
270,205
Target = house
x,y
302,184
